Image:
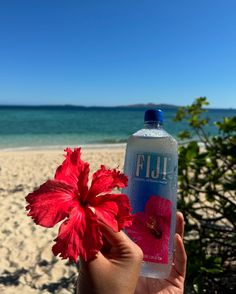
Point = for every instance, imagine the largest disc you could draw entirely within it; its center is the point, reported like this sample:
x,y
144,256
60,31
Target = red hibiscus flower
x,y
151,229
68,197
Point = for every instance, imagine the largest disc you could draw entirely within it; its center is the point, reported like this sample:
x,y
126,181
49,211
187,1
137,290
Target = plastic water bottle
x,y
151,164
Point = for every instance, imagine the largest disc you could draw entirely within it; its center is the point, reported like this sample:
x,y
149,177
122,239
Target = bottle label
x,y
152,190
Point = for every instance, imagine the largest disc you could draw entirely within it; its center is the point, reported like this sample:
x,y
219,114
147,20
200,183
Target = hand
x,y
115,271
175,282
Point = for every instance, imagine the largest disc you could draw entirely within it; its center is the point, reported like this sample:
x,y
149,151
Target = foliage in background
x,y
207,198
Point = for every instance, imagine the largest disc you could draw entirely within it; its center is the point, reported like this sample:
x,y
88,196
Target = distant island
x,y
152,105
138,106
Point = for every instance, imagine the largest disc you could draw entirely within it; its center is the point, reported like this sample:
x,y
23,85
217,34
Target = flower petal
x,y
79,236
50,203
82,184
160,208
107,212
113,210
153,227
104,180
71,168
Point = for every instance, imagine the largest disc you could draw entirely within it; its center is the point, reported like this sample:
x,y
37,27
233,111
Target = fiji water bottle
x,y
151,164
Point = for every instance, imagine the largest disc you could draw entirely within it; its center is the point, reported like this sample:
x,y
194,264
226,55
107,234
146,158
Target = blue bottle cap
x,y
153,115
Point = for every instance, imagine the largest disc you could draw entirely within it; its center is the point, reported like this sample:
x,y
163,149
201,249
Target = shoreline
x,y
96,146
54,148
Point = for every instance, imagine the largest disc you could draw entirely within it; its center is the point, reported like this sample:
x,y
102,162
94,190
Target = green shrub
x,y
207,198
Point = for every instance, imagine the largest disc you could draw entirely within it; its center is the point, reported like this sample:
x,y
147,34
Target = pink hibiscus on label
x,y
67,197
151,229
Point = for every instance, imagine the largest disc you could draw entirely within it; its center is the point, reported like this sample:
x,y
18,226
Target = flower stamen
x,y
153,227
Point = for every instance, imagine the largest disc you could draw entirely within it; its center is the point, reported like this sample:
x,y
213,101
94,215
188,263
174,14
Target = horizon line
x,y
137,105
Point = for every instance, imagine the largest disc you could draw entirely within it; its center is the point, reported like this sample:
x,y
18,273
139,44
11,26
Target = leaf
x,y
192,150
228,125
180,114
212,270
184,135
196,288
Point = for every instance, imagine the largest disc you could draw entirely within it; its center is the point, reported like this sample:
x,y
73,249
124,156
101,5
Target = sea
x,y
45,127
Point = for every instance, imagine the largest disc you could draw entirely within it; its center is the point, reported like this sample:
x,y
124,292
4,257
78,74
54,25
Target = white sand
x,y
27,264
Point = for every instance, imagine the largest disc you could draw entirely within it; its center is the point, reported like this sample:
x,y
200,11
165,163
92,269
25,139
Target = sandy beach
x,y
27,264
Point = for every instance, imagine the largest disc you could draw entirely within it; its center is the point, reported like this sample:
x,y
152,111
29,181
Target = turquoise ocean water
x,y
56,126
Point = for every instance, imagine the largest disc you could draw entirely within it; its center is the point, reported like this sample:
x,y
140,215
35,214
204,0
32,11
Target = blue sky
x,y
107,52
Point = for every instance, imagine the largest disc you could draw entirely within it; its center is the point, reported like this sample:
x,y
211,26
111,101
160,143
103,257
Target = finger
x,y
121,245
113,238
180,257
90,273
100,255
180,224
111,241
